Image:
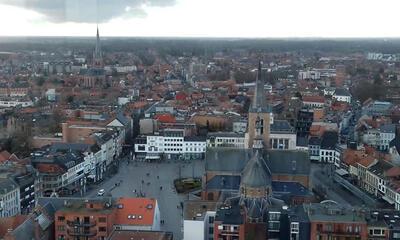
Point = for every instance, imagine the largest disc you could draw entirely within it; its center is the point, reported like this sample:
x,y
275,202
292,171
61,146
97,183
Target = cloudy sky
x,y
201,18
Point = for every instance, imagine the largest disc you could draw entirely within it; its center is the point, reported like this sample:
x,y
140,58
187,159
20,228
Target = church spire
x,y
97,54
259,96
97,51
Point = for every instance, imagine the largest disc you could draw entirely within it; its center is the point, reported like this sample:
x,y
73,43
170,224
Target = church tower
x,y
97,54
259,117
255,185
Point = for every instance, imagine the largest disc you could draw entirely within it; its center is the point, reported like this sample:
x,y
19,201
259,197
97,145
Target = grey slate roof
x,y
195,139
225,134
256,173
55,147
288,162
122,119
396,143
314,141
7,185
342,92
388,128
287,190
230,160
329,211
45,218
229,214
233,161
224,182
329,140
380,168
281,126
301,141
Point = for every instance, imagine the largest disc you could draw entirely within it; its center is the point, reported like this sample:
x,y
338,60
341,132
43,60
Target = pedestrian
x,y
158,177
160,187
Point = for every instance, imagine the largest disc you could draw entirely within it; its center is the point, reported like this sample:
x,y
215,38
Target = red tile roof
x,y
317,99
49,168
135,211
10,223
181,96
4,156
393,172
165,118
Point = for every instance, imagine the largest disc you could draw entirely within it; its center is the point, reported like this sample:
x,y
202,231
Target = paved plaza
x,y
147,178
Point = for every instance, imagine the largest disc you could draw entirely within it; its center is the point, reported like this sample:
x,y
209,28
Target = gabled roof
x,y
342,92
4,156
329,140
367,162
123,119
380,168
395,143
43,216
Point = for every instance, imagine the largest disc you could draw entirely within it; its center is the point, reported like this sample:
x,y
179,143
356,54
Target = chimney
x,y
36,229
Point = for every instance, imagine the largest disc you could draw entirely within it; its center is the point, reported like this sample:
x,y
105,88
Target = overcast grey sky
x,y
201,18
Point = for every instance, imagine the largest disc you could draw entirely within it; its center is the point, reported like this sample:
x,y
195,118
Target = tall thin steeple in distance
x,y
97,54
259,96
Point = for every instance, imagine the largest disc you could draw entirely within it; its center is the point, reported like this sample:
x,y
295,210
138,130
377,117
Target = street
x,y
147,178
321,175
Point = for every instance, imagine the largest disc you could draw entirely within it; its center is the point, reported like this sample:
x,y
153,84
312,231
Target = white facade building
x,y
198,223
9,198
282,135
170,145
239,126
14,103
342,95
226,139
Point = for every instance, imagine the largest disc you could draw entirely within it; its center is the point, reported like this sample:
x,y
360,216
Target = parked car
x,y
101,192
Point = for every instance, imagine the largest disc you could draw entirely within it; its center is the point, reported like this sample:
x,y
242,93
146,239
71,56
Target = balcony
x,y
81,223
340,233
90,233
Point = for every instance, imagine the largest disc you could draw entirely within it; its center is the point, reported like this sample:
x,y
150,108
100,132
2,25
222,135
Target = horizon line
x,y
202,37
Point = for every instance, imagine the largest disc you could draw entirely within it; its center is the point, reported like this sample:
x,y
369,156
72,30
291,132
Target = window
x,y
61,218
319,227
349,229
210,230
60,228
294,227
274,216
211,220
102,219
102,229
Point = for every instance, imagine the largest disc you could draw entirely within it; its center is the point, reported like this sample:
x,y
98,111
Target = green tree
x,y
70,99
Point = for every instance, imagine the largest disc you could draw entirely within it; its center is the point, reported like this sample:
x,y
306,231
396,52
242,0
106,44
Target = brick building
x,y
98,219
329,220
